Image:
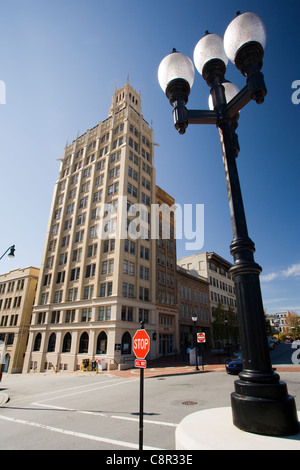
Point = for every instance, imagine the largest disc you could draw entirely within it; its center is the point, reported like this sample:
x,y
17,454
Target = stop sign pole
x,y
141,346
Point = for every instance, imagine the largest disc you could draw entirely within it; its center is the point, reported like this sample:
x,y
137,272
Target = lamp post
x,y
194,319
11,253
260,402
226,328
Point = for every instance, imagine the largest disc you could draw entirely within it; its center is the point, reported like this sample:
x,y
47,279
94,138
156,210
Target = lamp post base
x,y
212,429
264,409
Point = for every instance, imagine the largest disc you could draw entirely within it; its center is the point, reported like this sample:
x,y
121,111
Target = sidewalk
x,y
167,365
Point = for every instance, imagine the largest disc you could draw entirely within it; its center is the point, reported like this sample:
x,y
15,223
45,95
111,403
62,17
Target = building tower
x,y
97,278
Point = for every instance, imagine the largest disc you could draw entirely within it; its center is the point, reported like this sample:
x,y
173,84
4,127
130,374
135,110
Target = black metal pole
x,y
141,415
141,421
260,403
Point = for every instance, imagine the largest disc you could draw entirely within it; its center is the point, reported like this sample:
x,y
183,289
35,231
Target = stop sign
x,y
201,337
141,344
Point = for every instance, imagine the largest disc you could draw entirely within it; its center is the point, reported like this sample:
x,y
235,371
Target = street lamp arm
x,y
238,102
202,117
199,116
11,250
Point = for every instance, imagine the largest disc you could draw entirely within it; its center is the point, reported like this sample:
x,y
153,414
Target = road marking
x,y
99,387
104,415
78,434
62,390
162,423
63,408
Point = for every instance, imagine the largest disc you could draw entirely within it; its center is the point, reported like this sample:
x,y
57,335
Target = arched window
x,y
7,361
37,342
84,343
126,343
101,343
51,343
67,343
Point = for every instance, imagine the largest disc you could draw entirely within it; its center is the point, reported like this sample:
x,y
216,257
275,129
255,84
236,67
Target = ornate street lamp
x,y
11,253
260,402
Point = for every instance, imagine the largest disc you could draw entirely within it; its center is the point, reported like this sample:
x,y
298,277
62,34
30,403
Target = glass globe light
x,y
175,66
209,47
245,28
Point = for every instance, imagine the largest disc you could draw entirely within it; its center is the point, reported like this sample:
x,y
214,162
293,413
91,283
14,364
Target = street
x,y
101,412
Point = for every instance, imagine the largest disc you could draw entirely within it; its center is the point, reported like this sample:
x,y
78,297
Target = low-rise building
x,y
17,294
216,270
193,301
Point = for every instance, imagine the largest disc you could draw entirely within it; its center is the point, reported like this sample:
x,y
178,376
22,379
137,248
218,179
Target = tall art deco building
x,y
97,278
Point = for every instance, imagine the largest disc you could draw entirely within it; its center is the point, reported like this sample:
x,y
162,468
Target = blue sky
x,y
60,61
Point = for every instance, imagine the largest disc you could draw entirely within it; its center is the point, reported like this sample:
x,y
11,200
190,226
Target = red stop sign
x,y
141,344
201,337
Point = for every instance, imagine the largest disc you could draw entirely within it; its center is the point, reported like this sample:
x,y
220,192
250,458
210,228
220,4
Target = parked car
x,y
270,343
234,366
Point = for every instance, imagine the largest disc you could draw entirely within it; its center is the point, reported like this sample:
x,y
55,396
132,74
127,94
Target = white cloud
x,y
291,271
268,277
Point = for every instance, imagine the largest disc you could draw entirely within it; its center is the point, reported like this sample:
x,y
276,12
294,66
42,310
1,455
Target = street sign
x,y
201,337
141,344
140,363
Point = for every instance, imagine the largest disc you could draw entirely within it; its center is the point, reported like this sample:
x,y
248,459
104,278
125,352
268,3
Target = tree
x,y
293,324
223,331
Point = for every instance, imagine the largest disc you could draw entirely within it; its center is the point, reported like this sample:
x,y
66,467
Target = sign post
x,y
201,339
141,346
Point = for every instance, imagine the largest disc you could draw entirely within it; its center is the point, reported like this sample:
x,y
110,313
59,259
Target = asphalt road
x,y
101,412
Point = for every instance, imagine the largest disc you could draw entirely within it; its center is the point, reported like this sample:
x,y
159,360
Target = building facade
x,y
193,301
279,321
215,269
97,278
17,294
166,280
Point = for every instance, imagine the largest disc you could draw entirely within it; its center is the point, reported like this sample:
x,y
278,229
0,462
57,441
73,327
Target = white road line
x,y
63,408
62,390
100,387
105,415
78,434
162,423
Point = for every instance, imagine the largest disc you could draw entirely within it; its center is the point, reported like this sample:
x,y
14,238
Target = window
x,y
101,347
67,343
128,290
70,316
143,315
127,313
126,343
86,314
102,290
84,343
128,268
37,342
144,294
55,316
104,313
129,246
90,270
144,252
88,292
51,343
